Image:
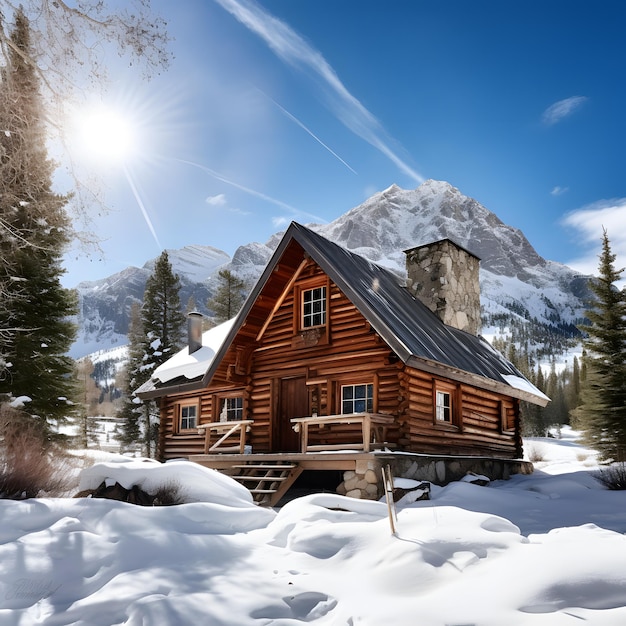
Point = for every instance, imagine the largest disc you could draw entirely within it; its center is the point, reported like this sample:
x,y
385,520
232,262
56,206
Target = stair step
x,y
266,467
275,477
265,479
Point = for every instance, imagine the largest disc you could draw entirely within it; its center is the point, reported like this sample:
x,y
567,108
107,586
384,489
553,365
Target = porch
x,y
359,461
270,476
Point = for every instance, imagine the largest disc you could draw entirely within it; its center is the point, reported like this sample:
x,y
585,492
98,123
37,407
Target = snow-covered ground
x,y
547,550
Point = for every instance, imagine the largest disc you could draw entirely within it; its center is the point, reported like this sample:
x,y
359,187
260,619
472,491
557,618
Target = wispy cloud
x,y
218,200
562,109
589,221
559,191
258,194
295,51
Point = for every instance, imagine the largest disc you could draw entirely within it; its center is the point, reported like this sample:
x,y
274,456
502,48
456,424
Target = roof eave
x,y
169,390
432,367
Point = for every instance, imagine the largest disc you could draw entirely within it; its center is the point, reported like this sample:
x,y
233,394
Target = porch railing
x,y
226,430
373,430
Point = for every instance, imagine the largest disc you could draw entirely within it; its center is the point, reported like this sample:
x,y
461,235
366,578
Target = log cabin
x,y
336,363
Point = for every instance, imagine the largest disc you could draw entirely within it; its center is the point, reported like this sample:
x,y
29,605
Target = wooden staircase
x,y
267,481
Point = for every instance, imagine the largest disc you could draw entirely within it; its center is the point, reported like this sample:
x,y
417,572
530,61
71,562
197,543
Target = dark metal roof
x,y
412,331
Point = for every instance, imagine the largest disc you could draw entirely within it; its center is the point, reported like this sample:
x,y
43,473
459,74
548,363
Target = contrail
x,y
293,118
146,217
252,192
291,48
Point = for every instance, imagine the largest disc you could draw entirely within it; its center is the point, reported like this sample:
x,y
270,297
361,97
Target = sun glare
x,y
104,133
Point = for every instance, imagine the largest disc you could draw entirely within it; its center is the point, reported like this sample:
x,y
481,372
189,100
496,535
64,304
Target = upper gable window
x,y
314,307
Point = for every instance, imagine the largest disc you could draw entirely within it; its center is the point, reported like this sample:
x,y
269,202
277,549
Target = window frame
x,y
368,399
302,288
335,385
310,316
220,401
454,409
508,416
443,406
180,407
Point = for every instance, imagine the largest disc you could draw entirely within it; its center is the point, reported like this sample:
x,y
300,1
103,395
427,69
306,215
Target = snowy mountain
x,y
518,285
104,305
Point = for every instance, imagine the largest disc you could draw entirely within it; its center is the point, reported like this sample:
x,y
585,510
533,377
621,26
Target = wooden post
x,y
391,505
366,427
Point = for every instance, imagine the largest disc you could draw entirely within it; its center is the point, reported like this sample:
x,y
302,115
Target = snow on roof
x,y
193,365
523,385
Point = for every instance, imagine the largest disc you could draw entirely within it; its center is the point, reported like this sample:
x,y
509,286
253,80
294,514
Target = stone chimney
x,y
444,277
194,331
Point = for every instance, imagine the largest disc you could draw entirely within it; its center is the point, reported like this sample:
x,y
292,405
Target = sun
x,y
105,133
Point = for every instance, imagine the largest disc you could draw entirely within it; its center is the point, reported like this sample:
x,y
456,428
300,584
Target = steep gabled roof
x,y
410,329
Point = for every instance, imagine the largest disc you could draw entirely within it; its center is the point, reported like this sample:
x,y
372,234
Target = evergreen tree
x,y
35,229
228,298
533,424
163,324
555,413
131,411
161,314
602,412
86,434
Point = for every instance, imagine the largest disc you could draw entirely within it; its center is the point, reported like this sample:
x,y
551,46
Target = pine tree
x,y
35,230
153,342
533,423
555,413
163,320
229,297
88,402
131,411
602,412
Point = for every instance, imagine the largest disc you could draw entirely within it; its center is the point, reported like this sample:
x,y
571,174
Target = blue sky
x,y
282,110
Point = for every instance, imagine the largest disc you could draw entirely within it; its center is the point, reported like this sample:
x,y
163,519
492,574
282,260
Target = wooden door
x,y
293,402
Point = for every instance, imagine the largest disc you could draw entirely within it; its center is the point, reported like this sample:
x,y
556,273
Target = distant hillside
x,y
104,305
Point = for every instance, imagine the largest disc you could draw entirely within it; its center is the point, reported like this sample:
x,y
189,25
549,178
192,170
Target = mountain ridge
x,y
517,284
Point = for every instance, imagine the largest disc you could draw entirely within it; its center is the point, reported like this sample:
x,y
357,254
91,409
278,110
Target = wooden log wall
x,y
354,354
486,421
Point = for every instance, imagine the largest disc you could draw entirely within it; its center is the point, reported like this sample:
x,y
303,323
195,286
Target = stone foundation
x,y
366,481
367,486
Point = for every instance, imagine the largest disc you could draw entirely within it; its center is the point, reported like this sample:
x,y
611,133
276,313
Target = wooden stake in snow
x,y
391,505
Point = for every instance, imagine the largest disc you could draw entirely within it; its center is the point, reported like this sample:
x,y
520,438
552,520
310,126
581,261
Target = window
x,y
443,407
357,398
231,409
314,307
188,416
